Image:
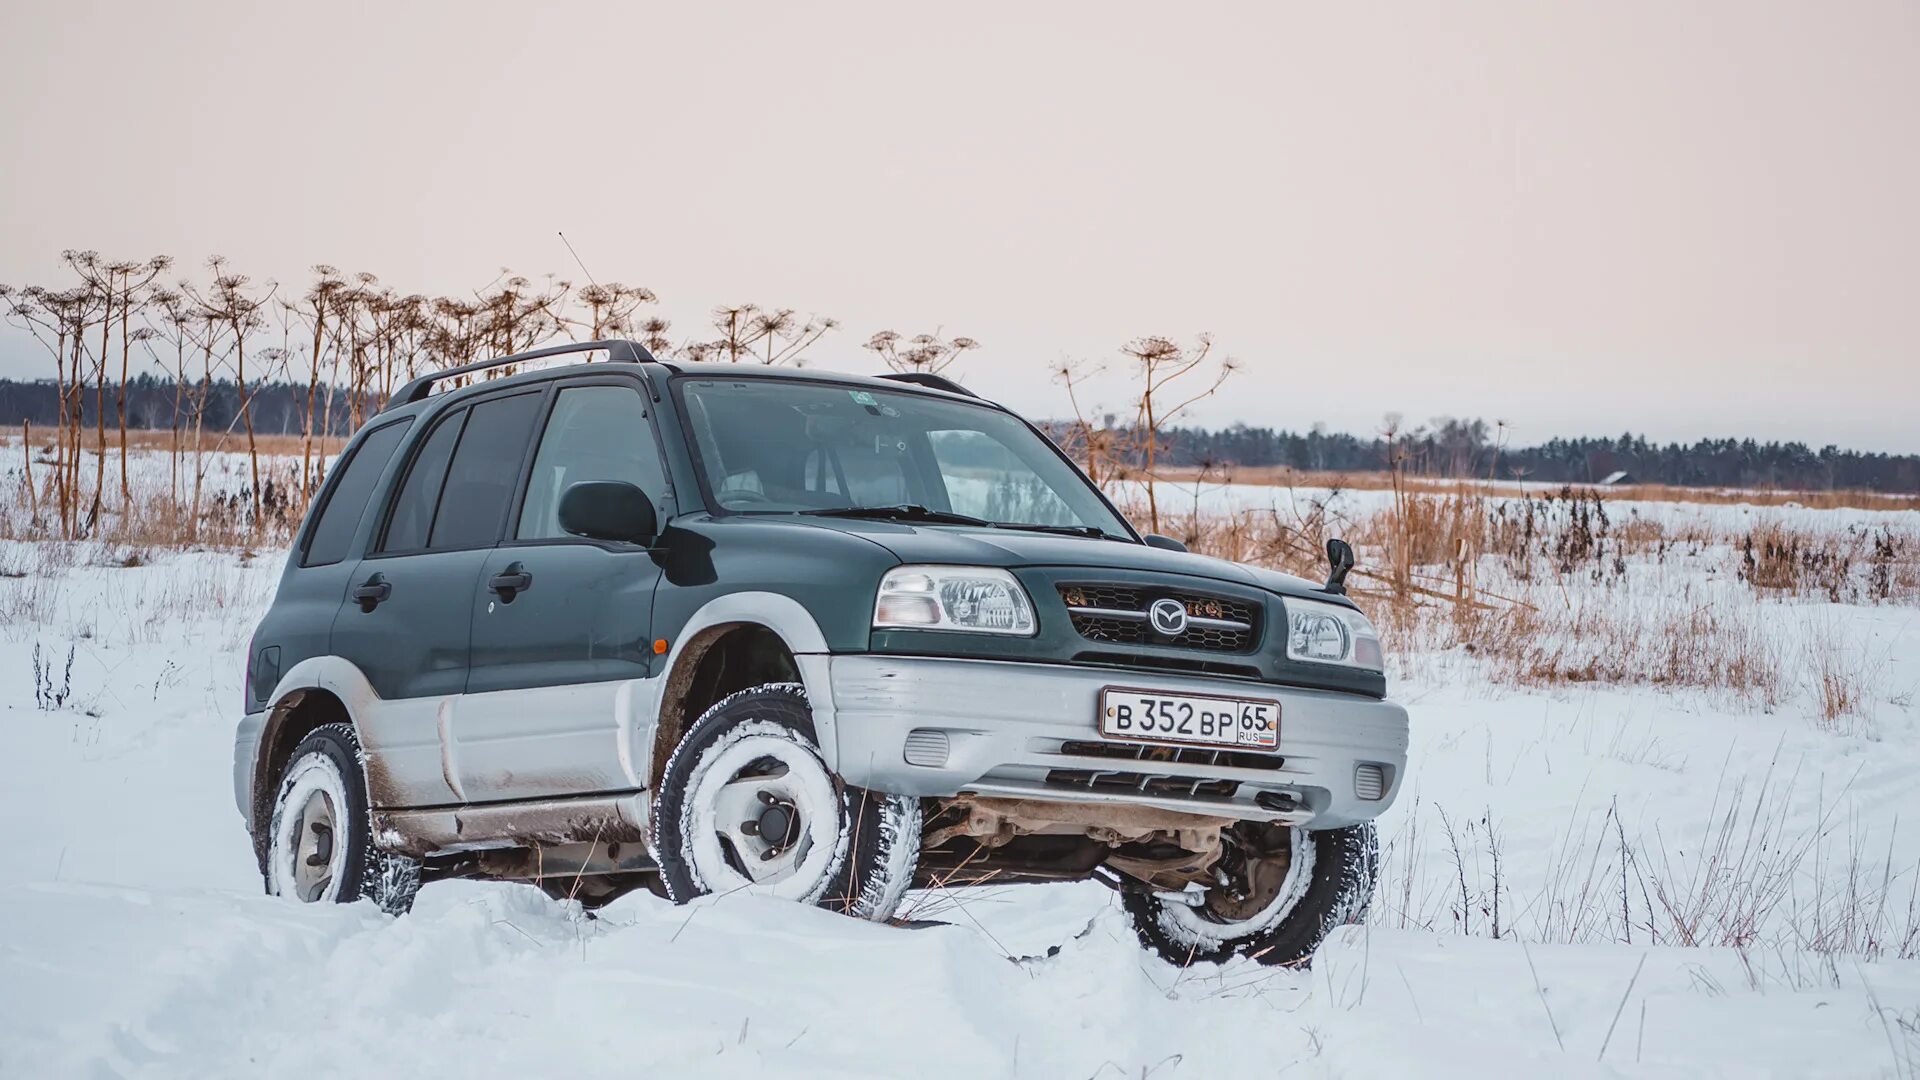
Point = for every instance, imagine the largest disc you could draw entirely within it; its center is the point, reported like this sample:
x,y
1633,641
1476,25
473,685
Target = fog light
x,y
926,746
1369,782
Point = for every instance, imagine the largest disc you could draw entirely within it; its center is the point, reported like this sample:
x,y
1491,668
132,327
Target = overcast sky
x,y
1678,219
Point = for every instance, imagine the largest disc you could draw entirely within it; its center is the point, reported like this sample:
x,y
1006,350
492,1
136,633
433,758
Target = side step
x,y
540,823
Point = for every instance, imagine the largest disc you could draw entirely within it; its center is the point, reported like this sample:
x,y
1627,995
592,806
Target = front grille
x,y
1166,663
1117,614
1123,783
1181,755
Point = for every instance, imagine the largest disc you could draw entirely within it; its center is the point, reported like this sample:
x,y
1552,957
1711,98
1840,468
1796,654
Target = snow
x,y
1217,496
137,942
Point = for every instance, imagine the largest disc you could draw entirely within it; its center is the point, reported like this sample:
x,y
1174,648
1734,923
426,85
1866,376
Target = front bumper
x,y
1007,727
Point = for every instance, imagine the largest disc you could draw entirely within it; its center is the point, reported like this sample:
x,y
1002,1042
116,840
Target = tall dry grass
x,y
1287,477
1752,875
177,499
1570,587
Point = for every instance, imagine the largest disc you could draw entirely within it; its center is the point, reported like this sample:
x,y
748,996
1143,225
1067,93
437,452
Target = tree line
x,y
1476,449
1446,448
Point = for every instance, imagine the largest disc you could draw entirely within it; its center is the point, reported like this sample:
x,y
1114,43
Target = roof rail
x,y
620,351
930,380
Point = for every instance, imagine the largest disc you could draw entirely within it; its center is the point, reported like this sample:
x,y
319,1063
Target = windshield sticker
x,y
861,397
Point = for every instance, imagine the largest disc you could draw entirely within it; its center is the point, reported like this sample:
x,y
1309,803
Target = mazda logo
x,y
1168,617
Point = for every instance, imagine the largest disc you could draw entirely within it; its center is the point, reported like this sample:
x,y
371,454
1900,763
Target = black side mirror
x,y
608,510
1164,543
1339,561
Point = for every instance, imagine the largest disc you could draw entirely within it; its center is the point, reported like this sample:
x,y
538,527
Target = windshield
x,y
789,446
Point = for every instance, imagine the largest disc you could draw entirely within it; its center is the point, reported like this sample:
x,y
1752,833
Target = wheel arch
x,y
733,643
315,692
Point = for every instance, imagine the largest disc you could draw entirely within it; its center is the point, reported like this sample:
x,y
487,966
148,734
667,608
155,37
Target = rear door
x,y
407,622
560,622
299,626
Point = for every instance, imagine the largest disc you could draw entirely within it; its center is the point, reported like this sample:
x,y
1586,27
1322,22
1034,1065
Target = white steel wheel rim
x,y
309,855
1193,926
758,773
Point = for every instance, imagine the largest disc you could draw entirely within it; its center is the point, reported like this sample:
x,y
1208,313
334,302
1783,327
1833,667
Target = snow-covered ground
x,y
1599,828
1224,495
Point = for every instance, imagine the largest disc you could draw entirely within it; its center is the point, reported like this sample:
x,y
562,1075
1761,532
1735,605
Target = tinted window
x,y
347,498
485,469
595,433
412,516
777,446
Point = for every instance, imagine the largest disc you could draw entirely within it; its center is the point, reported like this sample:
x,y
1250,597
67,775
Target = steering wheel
x,y
746,495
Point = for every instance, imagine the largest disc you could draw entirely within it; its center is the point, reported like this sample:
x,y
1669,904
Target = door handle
x,y
374,590
510,582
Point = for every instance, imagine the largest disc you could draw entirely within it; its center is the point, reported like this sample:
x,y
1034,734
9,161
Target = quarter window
x,y
596,432
484,472
347,501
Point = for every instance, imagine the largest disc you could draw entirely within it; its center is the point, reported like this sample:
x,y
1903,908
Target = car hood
x,y
964,546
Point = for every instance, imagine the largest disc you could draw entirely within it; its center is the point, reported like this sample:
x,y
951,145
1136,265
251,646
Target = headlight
x,y
975,599
1331,634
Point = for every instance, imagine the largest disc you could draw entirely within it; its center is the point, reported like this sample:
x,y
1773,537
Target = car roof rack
x,y
929,380
618,351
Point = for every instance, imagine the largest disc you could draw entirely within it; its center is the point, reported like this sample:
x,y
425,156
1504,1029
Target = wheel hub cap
x,y
761,823
775,826
314,847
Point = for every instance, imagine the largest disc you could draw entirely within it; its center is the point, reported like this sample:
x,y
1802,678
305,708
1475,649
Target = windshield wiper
x,y
900,512
927,514
1090,531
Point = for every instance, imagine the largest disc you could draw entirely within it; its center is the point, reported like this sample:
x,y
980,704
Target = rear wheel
x,y
748,804
1284,891
320,839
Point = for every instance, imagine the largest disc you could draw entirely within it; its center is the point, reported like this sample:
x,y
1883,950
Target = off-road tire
x,y
328,759
1337,891
874,837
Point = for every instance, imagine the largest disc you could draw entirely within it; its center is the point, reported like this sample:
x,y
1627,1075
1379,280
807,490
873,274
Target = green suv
x,y
705,628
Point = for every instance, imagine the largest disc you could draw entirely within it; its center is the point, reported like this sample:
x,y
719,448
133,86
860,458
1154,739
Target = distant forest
x,y
1446,448
1468,448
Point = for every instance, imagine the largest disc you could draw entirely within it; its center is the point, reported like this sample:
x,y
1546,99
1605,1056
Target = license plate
x,y
1147,716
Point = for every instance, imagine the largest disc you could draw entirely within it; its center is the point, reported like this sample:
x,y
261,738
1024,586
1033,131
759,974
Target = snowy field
x,y
1682,882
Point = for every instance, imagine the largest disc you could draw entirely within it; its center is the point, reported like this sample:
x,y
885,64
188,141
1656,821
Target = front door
x,y
407,619
560,623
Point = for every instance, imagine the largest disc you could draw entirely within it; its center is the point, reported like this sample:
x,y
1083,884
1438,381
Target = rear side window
x,y
485,471
346,500
412,519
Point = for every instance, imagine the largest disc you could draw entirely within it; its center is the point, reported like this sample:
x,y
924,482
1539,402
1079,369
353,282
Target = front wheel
x,y
748,804
1285,891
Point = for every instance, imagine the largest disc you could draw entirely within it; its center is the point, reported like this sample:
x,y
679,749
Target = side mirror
x,y
1164,543
608,510
1339,561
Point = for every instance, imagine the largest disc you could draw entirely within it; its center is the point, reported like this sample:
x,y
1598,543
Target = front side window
x,y
596,432
347,501
791,446
484,472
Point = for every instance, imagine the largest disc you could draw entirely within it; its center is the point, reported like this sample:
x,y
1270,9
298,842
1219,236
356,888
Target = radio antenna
x,y
577,260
